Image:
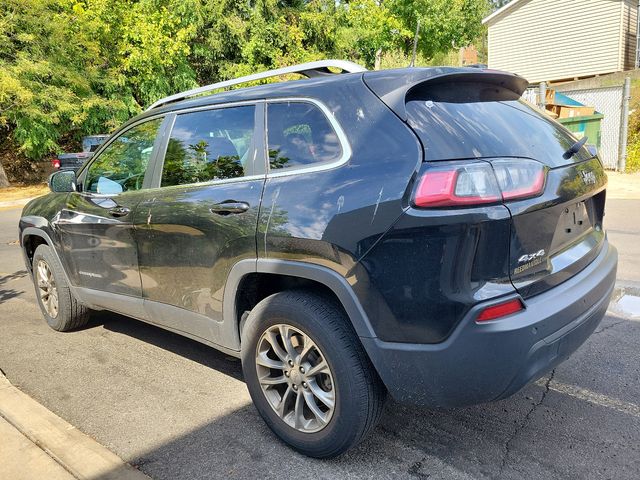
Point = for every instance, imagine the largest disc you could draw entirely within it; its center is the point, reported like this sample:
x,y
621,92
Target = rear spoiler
x,y
393,86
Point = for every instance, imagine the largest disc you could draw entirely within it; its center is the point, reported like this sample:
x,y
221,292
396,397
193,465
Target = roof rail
x,y
310,69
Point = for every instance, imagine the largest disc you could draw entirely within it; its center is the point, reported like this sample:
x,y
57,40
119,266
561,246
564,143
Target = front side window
x,y
300,135
122,164
209,145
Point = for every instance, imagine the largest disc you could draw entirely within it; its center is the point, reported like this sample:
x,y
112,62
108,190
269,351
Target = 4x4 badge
x,y
531,259
531,256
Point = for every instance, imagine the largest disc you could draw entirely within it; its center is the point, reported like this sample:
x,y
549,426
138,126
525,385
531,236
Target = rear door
x,y
96,225
202,218
557,230
556,235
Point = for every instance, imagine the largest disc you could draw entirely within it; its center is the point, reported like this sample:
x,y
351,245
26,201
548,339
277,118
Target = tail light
x,y
519,178
55,163
472,183
458,185
500,310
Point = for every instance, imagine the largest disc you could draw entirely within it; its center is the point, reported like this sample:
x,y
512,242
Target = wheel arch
x,y
30,239
303,274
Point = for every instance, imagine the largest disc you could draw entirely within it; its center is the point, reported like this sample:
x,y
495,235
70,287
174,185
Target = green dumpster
x,y
588,126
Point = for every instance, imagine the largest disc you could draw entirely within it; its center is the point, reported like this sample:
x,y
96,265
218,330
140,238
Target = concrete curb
x,y
80,455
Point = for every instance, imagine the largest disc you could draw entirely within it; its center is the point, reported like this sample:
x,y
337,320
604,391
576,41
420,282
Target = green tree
x,y
238,38
50,76
144,44
444,24
369,27
69,68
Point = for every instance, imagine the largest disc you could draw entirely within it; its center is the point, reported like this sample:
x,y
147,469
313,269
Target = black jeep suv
x,y
421,232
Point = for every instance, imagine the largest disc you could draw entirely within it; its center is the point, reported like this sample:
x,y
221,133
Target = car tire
x,y
318,329
60,308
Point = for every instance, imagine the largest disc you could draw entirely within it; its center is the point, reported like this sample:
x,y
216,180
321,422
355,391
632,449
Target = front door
x,y
96,227
202,219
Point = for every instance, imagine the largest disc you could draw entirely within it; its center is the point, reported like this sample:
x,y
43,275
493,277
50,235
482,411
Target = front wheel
x,y
59,307
308,374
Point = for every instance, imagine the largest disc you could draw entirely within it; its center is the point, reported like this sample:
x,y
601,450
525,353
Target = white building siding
x,y
559,39
630,33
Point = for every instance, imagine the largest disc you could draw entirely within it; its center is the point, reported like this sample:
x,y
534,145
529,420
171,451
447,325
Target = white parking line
x,y
593,397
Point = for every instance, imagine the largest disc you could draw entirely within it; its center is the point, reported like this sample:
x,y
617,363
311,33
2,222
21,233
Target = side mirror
x,y
63,181
592,149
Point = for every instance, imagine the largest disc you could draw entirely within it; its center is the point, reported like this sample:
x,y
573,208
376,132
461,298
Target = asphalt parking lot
x,y
179,410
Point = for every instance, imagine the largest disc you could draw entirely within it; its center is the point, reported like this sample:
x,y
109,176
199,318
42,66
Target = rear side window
x,y
300,135
209,145
458,121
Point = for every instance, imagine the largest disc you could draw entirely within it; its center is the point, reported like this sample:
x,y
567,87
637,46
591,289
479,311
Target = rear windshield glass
x,y
458,121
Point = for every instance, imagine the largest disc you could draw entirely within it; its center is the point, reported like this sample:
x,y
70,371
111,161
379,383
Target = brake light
x,y
500,310
480,182
55,163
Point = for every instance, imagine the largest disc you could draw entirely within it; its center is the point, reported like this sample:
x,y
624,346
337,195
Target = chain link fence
x,y
612,102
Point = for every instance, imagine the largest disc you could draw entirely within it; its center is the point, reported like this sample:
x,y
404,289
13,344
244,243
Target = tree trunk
x,y
4,181
378,62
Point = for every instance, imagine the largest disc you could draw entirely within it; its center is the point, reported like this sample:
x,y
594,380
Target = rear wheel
x,y
58,305
308,374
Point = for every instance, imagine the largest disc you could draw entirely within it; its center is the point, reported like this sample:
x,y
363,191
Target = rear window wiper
x,y
575,148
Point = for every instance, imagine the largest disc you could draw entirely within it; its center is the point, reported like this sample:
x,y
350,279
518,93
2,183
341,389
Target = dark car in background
x,y
73,161
420,232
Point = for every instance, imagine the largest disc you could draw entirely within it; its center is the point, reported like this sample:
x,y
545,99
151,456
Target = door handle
x,y
119,211
228,207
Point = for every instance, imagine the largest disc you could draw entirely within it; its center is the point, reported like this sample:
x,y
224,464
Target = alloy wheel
x,y
295,378
47,288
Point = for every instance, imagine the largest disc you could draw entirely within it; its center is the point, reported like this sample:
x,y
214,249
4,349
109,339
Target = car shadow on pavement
x,y
411,443
172,342
501,440
537,433
240,446
9,293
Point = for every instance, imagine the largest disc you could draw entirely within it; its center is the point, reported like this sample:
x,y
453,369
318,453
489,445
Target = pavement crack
x,y
523,424
603,329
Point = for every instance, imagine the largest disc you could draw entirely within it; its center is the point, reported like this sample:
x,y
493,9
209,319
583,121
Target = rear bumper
x,y
484,362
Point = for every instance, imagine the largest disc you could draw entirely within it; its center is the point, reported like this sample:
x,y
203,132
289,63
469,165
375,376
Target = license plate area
x,y
574,222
